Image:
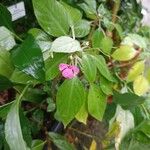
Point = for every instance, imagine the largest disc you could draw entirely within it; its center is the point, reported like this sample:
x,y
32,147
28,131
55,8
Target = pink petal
x,y
75,69
68,73
63,66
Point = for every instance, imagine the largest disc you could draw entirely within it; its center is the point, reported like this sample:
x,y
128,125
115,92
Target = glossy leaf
x,y
135,71
69,100
6,39
52,65
52,17
89,68
96,102
65,44
102,67
5,17
14,135
60,141
43,40
51,105
82,28
141,85
6,66
89,8
97,38
28,58
21,77
124,53
5,83
127,100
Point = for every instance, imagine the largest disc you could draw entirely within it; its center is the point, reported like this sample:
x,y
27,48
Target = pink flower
x,y
69,71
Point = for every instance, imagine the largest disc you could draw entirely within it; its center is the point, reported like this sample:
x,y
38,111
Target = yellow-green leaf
x,y
135,71
140,85
93,145
124,53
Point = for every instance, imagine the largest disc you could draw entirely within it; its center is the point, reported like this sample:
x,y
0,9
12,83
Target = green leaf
x,y
89,8
51,105
6,39
4,109
135,71
43,40
141,85
82,28
5,83
60,141
5,17
26,128
102,67
97,38
127,100
106,45
82,115
5,63
28,58
52,65
74,14
106,86
124,53
89,68
70,97
52,17
65,44
21,77
13,134
37,145
96,102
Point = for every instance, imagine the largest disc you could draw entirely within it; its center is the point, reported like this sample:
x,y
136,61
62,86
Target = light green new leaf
x,y
6,39
89,7
70,97
82,115
96,102
106,45
65,44
89,67
102,67
60,141
82,28
52,65
141,85
6,66
135,71
13,133
106,86
124,53
52,16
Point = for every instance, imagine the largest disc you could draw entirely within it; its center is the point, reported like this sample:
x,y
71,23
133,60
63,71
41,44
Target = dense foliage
x,y
82,58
